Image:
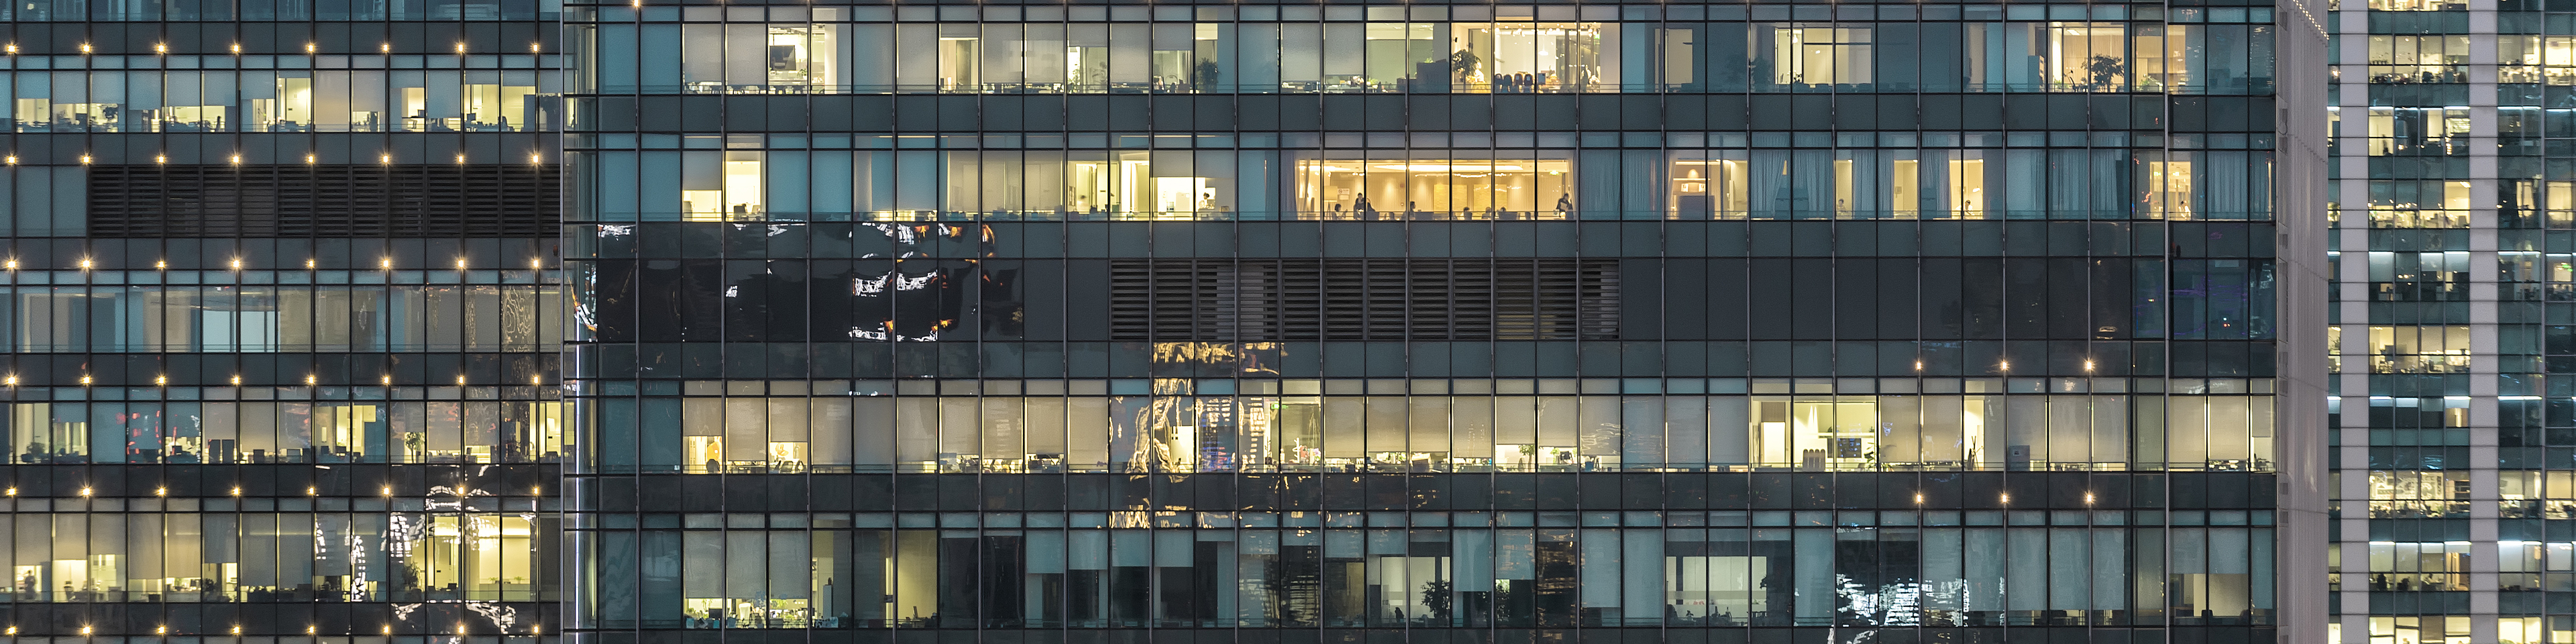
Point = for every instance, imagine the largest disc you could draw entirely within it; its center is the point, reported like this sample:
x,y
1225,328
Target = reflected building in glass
x,y
655,322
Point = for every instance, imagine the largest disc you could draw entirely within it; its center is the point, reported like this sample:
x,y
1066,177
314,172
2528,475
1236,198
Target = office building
x,y
2451,205
283,320
646,321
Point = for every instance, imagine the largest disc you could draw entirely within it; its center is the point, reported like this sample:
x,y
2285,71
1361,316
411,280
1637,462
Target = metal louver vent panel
x,y
1377,299
323,201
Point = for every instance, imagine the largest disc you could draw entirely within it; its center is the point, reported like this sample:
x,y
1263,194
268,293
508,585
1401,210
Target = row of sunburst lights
x,y
385,491
237,264
310,380
534,158
309,48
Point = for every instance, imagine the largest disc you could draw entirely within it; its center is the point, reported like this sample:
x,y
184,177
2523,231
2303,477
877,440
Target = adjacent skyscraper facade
x,y
2454,191
646,322
282,321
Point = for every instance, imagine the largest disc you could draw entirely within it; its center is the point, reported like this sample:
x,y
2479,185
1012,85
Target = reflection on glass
x,y
1397,189
1288,569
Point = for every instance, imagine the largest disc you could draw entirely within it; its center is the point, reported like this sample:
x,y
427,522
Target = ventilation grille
x,y
323,201
1386,299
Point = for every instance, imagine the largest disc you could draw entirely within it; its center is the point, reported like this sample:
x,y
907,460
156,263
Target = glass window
x,y
1821,55
1451,188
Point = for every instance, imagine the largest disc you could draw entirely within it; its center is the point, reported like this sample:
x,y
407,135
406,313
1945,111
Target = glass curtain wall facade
x,y
385,323
1723,322
2453,203
282,313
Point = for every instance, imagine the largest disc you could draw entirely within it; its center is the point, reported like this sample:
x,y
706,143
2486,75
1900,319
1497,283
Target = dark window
x,y
323,201
1376,299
